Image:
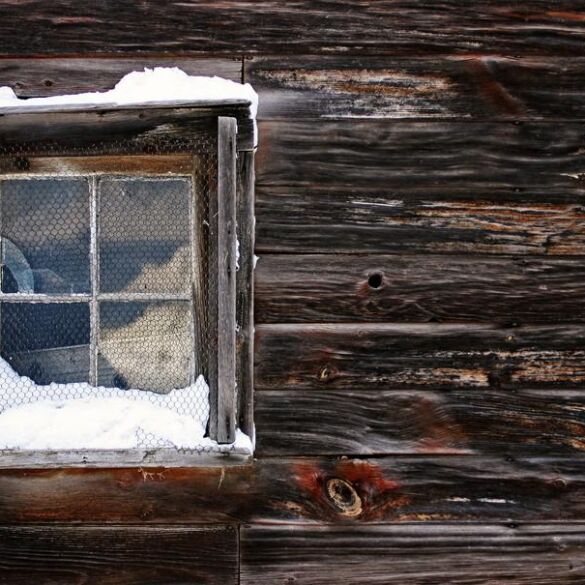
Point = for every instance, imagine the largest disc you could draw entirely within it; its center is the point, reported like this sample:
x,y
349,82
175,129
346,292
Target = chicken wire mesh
x,y
105,289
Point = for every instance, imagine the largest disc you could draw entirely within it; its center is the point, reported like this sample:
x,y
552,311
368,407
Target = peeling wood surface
x,y
344,219
313,288
469,87
304,490
323,357
476,420
417,555
118,555
242,26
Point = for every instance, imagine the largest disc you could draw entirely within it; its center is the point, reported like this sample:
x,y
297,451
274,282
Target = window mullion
x,y
94,265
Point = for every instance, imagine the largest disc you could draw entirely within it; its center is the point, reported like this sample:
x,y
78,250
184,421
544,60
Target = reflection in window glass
x,y
45,226
144,235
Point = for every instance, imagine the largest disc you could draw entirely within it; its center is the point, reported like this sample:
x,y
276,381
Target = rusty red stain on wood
x,y
352,489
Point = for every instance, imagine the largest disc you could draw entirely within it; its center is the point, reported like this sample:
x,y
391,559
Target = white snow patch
x,y
85,417
161,84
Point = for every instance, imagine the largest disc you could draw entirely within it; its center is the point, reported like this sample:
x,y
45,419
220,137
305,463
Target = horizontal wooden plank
x,y
471,87
239,26
417,555
408,156
361,422
330,288
385,489
118,555
349,357
46,77
346,220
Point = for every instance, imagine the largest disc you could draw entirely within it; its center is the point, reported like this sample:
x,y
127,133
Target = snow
x,y
85,417
151,86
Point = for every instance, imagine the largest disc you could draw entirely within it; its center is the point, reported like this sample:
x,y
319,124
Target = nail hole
x,y
375,280
48,83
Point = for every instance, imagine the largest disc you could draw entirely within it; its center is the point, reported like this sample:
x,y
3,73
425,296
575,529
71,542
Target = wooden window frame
x,y
51,135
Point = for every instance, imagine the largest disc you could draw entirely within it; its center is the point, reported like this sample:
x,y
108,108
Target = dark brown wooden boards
x,y
304,490
358,421
335,288
356,357
469,158
344,219
118,555
465,88
240,27
417,555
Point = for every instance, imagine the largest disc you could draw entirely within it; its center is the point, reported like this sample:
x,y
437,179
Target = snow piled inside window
x,y
105,418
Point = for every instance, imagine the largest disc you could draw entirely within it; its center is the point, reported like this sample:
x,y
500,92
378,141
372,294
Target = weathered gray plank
x,y
66,27
312,288
417,555
46,77
118,555
325,489
470,87
394,422
344,356
223,421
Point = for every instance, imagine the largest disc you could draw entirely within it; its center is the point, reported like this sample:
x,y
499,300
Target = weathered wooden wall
x,y
420,312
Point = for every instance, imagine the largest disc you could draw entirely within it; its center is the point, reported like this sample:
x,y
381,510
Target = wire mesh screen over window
x,y
104,297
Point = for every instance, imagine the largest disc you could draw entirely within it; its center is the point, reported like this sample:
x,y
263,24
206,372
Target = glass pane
x,y
45,229
47,342
144,235
145,345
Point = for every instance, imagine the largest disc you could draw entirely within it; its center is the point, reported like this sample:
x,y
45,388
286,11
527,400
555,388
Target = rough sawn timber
x,y
118,555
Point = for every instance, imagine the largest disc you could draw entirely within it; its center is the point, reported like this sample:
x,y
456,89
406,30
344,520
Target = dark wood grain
x,y
378,422
471,87
46,77
407,156
118,555
302,490
347,220
66,27
348,357
417,555
312,288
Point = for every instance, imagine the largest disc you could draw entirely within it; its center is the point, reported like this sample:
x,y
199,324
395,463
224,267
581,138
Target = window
x,y
125,290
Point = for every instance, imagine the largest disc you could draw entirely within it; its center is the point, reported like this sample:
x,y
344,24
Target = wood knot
x,y
344,496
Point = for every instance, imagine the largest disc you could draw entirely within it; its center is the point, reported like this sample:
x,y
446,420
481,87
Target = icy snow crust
x,y
107,418
151,86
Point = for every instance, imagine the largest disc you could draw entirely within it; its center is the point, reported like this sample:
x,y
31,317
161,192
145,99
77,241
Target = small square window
x,y
120,338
